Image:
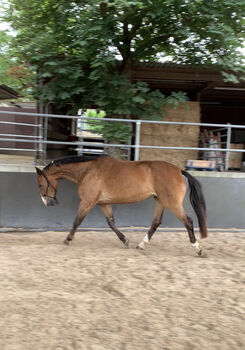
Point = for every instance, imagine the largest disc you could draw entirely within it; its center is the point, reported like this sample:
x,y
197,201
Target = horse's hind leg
x,y
157,220
188,223
107,210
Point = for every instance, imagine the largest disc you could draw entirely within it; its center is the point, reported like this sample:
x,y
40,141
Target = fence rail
x,y
40,139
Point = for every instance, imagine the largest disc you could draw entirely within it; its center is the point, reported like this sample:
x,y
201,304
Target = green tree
x,y
83,51
12,73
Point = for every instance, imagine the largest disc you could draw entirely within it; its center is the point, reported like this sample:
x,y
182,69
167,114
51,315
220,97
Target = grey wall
x,y
21,206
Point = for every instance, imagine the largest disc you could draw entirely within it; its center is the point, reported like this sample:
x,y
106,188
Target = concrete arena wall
x,y
21,206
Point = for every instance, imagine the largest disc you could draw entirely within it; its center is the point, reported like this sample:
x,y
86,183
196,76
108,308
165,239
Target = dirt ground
x,y
97,295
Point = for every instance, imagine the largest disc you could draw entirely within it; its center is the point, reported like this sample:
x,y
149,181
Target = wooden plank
x,y
201,164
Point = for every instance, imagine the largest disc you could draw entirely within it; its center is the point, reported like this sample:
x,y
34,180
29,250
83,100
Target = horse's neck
x,y
71,172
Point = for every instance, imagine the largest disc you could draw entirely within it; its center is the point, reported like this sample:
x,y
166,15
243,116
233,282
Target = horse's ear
x,y
39,171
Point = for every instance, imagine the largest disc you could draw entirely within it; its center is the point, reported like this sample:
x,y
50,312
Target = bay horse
x,y
105,181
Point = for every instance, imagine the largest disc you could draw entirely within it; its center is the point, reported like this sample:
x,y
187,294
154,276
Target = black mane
x,y
71,159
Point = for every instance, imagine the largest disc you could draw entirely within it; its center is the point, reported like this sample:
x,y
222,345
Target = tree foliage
x,y
12,73
83,51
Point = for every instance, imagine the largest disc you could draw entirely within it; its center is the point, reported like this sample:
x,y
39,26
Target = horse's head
x,y
48,188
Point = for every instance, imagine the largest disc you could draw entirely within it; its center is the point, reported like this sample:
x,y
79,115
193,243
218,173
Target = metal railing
x,y
40,140
4,136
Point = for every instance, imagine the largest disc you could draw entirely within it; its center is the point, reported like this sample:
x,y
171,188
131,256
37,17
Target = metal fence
x,y
40,139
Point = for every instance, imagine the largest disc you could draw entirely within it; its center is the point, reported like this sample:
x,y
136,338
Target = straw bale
x,y
173,135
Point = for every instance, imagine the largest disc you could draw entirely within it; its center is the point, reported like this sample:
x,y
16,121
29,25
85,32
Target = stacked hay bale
x,y
173,135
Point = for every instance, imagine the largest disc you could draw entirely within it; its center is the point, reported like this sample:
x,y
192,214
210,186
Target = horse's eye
x,y
40,186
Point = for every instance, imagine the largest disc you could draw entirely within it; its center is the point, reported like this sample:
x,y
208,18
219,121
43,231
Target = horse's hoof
x,y
66,242
196,246
200,252
140,247
126,243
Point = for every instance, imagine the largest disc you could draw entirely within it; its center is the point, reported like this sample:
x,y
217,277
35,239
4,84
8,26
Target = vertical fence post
x,y
137,140
40,134
45,131
228,146
38,146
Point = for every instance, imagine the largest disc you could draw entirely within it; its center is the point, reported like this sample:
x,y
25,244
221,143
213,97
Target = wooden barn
x,y
14,123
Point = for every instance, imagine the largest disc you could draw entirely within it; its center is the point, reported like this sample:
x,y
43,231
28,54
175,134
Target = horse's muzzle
x,y
49,201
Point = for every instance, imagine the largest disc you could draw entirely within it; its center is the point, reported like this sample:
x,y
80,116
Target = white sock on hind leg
x,y
142,243
196,246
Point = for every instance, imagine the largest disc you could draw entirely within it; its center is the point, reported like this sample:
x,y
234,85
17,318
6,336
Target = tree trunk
x,y
115,152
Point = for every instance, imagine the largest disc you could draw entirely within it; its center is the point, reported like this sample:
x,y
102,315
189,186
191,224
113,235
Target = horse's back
x,y
146,171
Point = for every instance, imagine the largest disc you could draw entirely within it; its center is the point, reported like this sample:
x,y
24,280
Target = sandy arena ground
x,y
97,295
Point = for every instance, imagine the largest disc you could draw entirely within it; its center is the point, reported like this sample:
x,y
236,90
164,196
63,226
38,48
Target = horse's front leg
x,y
84,208
107,210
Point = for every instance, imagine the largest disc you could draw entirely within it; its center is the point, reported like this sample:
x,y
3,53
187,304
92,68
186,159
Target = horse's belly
x,y
124,198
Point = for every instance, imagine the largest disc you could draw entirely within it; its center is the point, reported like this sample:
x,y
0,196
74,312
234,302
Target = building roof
x,y
7,93
202,84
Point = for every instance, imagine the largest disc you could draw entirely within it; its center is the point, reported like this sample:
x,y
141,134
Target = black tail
x,y
198,202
